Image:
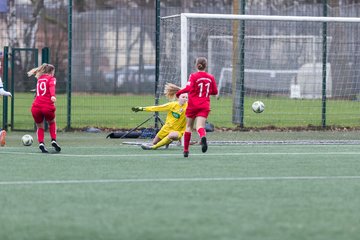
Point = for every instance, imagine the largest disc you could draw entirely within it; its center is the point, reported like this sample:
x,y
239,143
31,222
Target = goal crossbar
x,y
266,17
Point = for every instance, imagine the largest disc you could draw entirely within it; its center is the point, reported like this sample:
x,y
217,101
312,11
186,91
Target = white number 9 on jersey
x,y
40,88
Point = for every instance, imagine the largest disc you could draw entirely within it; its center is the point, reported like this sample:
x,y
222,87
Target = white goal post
x,y
305,69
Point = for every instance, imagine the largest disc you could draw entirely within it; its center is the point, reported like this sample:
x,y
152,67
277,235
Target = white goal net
x,y
305,69
265,78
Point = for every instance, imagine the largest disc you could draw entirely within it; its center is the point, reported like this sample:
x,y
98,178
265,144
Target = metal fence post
x,y
5,82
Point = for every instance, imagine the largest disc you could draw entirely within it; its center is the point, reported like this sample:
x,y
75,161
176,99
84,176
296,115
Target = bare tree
x,y
31,27
12,33
11,25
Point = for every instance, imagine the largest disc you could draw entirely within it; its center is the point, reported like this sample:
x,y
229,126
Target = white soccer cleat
x,y
146,147
4,93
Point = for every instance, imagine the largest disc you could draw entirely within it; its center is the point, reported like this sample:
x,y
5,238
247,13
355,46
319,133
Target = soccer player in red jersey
x,y
43,106
199,87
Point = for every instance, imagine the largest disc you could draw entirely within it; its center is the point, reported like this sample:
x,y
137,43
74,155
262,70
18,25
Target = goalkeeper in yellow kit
x,y
175,123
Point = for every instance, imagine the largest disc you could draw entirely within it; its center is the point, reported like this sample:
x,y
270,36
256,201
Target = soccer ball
x,y
27,140
258,106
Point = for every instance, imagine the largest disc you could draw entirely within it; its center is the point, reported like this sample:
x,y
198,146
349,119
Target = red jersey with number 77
x,y
45,89
199,87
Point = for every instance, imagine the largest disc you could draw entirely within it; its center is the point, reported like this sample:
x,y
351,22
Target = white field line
x,y
179,154
167,180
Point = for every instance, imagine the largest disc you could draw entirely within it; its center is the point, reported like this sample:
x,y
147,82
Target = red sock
x,y
40,135
52,130
187,137
202,132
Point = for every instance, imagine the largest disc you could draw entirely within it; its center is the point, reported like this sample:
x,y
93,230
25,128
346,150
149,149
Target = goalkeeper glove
x,y
137,109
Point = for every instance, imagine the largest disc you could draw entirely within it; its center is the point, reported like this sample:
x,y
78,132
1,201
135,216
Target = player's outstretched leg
x,y
55,145
2,138
204,145
163,142
43,148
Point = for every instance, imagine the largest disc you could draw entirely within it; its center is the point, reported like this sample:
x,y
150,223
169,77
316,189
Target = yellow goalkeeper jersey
x,y
175,119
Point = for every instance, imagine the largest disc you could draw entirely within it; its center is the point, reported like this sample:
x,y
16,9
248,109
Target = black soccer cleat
x,y
204,145
43,148
56,146
186,154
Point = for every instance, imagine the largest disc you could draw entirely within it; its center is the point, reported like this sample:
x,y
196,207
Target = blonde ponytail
x,y
170,90
43,69
32,71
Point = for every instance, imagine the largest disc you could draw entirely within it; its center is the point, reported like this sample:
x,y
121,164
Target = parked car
x,y
134,79
135,74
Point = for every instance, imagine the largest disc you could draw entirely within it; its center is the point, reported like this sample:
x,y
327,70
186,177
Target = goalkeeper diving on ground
x,y
175,122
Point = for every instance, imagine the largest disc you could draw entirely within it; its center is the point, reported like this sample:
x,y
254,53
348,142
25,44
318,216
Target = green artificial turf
x,y
99,188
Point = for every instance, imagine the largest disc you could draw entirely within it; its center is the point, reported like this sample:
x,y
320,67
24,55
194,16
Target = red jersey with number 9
x,y
199,87
45,89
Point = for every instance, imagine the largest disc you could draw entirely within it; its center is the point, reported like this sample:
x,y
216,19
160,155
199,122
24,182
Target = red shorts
x,y
41,112
197,112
